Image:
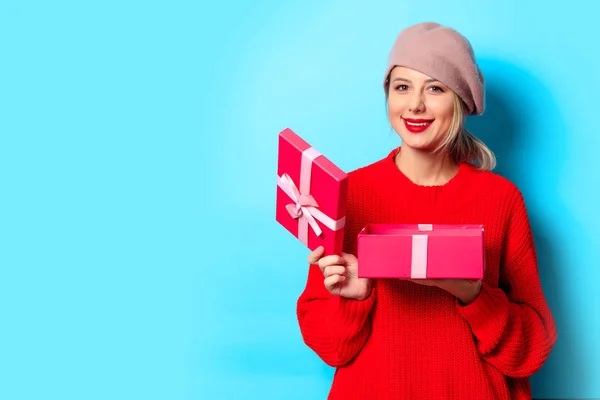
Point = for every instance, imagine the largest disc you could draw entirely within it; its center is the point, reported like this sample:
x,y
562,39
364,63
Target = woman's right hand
x,y
341,275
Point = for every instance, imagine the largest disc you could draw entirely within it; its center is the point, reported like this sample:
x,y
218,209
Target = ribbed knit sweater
x,y
411,341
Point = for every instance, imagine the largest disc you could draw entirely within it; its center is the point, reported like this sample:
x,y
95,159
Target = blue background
x,y
139,256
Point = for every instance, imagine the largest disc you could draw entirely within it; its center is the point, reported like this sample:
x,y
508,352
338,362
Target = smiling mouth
x,y
417,125
418,122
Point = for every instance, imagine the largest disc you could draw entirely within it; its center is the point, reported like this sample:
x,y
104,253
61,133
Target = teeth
x,y
419,124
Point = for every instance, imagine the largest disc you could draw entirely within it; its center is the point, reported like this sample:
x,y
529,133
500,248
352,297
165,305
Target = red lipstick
x,y
417,125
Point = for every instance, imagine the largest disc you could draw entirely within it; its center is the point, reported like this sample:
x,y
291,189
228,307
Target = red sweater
x,y
410,341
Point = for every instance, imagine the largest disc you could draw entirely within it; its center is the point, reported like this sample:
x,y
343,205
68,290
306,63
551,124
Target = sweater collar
x,y
464,168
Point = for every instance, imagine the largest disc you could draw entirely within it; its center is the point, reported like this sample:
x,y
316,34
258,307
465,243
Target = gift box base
x,y
451,251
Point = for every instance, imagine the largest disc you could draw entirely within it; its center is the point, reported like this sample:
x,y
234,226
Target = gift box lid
x,y
303,171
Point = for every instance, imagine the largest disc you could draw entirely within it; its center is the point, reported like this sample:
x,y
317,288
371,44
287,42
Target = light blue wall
x,y
139,256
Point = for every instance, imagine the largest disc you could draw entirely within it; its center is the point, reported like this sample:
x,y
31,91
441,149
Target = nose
x,y
416,103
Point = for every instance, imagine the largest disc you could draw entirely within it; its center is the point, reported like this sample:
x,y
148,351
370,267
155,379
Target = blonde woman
x,y
431,339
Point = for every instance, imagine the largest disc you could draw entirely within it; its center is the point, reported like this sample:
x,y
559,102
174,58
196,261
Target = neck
x,y
425,168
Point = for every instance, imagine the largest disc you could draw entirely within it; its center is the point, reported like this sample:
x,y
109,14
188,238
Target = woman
x,y
431,339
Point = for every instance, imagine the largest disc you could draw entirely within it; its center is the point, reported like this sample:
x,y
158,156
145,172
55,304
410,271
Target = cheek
x,y
443,114
442,108
448,114
395,107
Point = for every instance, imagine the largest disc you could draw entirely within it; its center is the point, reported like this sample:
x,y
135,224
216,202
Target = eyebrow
x,y
409,81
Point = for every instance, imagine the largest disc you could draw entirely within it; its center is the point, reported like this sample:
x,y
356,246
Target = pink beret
x,y
443,54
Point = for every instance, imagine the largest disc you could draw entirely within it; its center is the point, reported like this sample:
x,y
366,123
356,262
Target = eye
x,y
436,89
401,87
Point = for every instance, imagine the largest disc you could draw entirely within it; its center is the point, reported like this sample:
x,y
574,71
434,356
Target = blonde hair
x,y
459,143
462,145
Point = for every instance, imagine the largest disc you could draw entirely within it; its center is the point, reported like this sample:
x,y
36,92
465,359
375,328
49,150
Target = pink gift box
x,y
311,194
421,251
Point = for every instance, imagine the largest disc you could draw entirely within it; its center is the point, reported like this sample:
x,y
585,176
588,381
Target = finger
x,y
333,280
334,270
476,283
315,255
330,260
424,282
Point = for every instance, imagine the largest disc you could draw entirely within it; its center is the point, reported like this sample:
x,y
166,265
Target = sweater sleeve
x,y
334,327
512,324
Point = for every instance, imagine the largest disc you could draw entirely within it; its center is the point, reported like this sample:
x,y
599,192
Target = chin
x,y
416,142
417,146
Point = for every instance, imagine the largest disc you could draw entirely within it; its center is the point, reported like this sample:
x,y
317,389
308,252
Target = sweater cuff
x,y
487,314
350,313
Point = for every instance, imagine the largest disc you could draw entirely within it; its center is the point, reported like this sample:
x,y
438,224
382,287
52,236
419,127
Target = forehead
x,y
408,73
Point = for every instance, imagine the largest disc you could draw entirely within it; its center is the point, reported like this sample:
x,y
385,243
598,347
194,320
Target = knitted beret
x,y
443,54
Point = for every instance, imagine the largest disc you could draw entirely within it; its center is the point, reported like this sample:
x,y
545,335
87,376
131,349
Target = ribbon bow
x,y
304,205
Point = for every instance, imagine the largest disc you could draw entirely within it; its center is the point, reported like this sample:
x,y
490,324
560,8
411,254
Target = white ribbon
x,y
418,269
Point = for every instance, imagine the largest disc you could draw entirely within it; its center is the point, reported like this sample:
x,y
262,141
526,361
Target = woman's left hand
x,y
466,290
